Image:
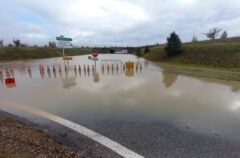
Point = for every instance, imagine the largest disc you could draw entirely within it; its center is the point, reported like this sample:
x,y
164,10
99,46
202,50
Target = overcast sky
x,y
115,22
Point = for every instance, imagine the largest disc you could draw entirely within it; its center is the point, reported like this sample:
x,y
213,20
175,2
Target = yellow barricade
x,y
67,58
129,65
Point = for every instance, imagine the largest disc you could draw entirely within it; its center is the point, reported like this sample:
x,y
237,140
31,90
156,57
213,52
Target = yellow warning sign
x,y
67,58
129,65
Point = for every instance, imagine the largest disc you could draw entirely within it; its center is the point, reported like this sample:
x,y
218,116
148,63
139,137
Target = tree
x,y
194,39
17,42
224,35
10,45
213,33
138,52
174,45
1,43
146,49
52,44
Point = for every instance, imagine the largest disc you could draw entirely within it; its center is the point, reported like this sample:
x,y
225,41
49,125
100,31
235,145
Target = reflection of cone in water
x,y
66,68
60,68
30,74
41,68
12,71
54,68
1,79
42,74
75,68
49,74
7,73
60,74
102,69
88,68
88,72
66,74
80,72
1,76
1,73
48,69
55,74
29,69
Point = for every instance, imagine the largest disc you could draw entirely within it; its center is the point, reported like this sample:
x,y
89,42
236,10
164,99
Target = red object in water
x,y
95,53
10,81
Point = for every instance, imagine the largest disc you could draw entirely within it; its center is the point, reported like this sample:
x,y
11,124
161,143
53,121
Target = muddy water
x,y
147,95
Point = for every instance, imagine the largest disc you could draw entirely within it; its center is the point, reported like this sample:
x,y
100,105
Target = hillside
x,y
218,53
38,52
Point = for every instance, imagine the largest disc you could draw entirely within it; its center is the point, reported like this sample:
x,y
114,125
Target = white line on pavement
x,y
114,146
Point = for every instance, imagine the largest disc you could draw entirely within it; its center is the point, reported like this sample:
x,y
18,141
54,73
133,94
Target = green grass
x,y
218,54
38,52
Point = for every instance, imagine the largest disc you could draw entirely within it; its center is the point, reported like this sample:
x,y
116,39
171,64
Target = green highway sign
x,y
63,39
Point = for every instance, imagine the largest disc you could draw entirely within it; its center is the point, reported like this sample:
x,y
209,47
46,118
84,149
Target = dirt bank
x,y
20,140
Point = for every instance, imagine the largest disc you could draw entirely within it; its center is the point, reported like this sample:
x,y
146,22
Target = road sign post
x,y
94,58
62,42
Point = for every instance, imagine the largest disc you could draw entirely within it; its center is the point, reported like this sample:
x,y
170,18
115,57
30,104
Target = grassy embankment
x,y
38,52
216,59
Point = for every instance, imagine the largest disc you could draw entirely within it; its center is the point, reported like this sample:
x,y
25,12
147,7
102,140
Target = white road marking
x,y
114,146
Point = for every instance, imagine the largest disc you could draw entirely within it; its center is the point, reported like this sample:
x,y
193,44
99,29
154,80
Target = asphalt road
x,y
155,140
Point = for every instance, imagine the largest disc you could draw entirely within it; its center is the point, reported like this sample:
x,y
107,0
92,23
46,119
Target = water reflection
x,y
109,90
69,82
169,79
113,71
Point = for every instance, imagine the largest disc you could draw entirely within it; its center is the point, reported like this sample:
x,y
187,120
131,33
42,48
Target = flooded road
x,y
126,106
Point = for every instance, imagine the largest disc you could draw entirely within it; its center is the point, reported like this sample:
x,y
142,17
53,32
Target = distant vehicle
x,y
124,51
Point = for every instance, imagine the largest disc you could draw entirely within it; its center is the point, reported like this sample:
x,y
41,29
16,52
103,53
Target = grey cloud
x,y
119,22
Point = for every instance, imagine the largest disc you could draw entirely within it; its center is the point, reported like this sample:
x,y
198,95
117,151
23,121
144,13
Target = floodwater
x,y
144,95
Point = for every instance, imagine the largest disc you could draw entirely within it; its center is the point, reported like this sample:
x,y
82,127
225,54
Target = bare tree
x,y
213,33
52,44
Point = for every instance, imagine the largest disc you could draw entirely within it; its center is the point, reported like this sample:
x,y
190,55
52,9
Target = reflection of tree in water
x,y
169,79
235,89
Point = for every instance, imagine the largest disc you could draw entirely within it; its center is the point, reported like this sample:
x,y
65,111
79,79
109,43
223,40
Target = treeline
x,y
174,43
17,43
218,51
